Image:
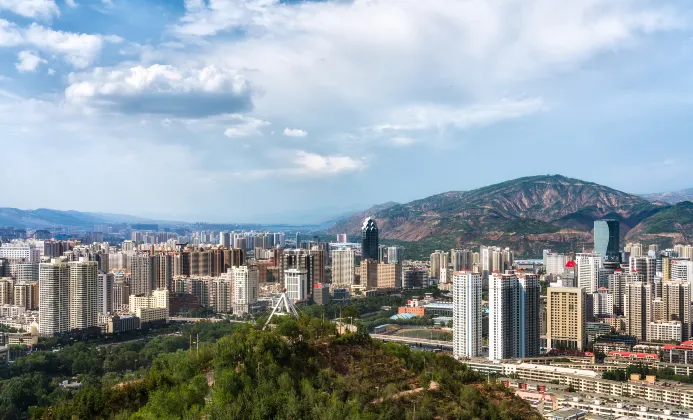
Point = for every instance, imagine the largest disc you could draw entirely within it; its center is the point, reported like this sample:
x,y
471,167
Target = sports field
x,y
426,334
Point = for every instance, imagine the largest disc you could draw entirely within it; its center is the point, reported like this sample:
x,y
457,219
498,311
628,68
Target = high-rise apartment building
x,y
681,270
617,287
389,276
603,303
466,318
343,266
607,240
555,263
566,318
104,293
395,254
342,238
462,260
513,316
434,267
638,309
298,259
223,292
633,249
295,281
54,284
415,278
20,252
83,310
245,289
369,239
225,239
368,272
676,302
6,290
647,266
144,269
684,251
319,264
587,267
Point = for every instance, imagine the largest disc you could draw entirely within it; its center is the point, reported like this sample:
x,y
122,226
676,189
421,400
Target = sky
x,y
294,111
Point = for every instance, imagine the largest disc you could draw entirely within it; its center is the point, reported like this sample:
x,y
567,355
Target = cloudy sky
x,y
269,110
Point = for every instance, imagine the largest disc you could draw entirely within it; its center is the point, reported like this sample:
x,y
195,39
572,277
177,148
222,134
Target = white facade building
x,y
588,266
20,251
555,263
343,266
82,294
466,318
664,331
603,302
53,298
295,283
245,288
513,316
682,270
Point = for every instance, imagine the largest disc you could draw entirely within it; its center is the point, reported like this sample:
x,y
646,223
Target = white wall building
x,y
603,302
466,318
513,316
555,263
587,268
53,298
343,266
245,288
82,294
19,251
664,331
295,283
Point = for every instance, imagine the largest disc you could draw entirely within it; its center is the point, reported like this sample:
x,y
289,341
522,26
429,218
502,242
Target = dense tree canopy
x,y
299,370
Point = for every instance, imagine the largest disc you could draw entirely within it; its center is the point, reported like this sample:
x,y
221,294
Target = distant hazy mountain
x,y
528,213
671,197
46,218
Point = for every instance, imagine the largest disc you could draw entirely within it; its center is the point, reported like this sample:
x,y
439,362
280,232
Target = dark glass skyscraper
x,y
369,240
606,240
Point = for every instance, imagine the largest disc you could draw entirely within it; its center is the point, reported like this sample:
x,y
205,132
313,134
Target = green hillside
x,y
301,370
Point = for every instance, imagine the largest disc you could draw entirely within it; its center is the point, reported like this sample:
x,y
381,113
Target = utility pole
x,y
198,344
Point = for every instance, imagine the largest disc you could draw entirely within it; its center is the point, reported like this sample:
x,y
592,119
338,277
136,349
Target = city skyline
x,y
204,101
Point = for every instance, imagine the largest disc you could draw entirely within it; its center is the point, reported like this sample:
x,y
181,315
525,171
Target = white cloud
x,y
51,72
28,61
163,89
71,3
31,8
80,50
402,141
314,163
295,132
442,117
246,126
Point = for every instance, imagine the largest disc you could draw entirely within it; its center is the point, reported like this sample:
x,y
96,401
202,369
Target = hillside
x,y
301,370
673,197
675,222
528,214
46,218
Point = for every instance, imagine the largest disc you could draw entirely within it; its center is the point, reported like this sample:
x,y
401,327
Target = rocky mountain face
x,y
673,197
526,213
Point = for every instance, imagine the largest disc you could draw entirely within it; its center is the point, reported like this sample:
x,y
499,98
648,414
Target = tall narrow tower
x,y
369,239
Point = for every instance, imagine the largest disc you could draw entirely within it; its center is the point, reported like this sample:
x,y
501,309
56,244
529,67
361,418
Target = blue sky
x,y
269,111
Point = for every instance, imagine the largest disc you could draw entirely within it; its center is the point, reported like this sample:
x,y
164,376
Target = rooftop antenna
x,y
284,306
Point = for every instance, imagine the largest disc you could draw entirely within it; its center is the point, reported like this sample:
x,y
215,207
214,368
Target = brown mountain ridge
x,y
527,213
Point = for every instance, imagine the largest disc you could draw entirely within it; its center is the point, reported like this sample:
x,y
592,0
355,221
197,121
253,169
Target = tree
x,y
350,312
450,324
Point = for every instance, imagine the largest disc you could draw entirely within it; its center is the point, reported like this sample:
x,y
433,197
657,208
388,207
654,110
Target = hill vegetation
x,y
300,370
527,214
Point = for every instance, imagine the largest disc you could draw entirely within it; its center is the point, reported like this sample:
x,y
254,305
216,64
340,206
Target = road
x,y
443,345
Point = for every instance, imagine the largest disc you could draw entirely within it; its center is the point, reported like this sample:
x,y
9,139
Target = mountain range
x,y
673,197
528,214
47,218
